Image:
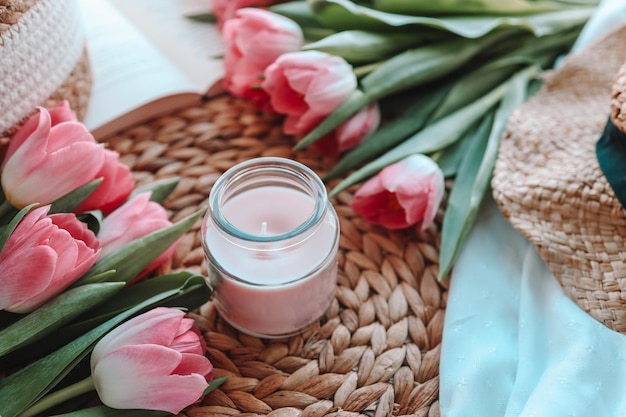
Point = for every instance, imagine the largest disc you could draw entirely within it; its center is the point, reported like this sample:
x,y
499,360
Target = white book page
x,y
132,79
195,47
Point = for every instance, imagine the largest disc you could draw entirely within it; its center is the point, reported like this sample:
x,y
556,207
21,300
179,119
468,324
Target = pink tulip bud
x,y
351,132
402,194
134,219
254,39
306,86
62,113
117,184
154,361
48,157
42,257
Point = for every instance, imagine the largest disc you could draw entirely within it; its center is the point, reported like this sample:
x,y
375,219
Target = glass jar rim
x,y
297,170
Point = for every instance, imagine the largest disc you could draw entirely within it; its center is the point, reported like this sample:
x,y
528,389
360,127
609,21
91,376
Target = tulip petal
x,y
117,184
419,184
31,272
254,39
192,363
68,133
147,382
62,112
31,231
53,177
284,99
134,219
402,194
157,326
187,341
29,141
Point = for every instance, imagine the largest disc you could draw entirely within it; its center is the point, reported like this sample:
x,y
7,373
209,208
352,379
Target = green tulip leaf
x,y
406,70
202,17
474,174
7,229
346,15
93,220
432,138
393,132
359,46
188,290
182,289
215,383
160,189
131,259
23,388
299,12
71,200
478,7
54,314
104,411
420,65
430,106
449,158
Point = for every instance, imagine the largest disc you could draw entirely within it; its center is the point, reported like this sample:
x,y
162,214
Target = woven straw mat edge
x,y
375,352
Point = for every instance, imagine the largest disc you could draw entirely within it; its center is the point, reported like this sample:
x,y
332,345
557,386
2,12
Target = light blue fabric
x,y
609,15
514,344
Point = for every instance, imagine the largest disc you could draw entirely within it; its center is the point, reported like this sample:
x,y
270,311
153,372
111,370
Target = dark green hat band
x,y
611,152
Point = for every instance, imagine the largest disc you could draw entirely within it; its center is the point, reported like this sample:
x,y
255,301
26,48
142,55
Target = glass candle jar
x,y
271,237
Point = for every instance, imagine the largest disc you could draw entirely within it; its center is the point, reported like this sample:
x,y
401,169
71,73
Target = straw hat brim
x,y
549,185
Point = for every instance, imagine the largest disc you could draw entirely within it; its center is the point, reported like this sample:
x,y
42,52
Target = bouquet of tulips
x,y
81,306
405,92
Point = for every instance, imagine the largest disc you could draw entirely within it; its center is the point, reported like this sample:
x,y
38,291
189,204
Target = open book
x,y
147,59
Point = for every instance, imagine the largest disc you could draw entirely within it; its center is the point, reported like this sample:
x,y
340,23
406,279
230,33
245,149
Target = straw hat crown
x,y
548,183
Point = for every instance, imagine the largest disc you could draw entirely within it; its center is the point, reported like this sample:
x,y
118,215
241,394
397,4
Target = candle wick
x,y
263,228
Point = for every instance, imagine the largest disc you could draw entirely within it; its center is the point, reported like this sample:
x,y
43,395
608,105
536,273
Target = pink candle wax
x,y
273,263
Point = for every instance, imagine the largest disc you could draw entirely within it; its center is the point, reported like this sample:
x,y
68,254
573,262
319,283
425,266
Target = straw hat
x,y
548,183
43,59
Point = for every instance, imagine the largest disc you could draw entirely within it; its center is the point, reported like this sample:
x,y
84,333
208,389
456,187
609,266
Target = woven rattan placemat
x,y
375,352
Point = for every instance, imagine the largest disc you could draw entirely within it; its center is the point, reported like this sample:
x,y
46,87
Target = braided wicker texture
x,y
375,352
549,185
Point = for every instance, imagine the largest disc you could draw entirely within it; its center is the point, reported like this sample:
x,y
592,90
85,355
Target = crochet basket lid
x,y
44,59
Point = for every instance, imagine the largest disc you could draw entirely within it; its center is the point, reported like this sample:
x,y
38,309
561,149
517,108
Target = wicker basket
x,y
44,59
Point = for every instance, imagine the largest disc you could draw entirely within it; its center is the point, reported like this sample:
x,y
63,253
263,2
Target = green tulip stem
x,y
60,396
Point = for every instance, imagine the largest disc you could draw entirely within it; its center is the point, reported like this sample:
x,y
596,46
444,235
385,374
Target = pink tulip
x,y
48,157
351,132
62,113
306,86
154,361
134,219
402,194
42,257
254,39
117,184
224,10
